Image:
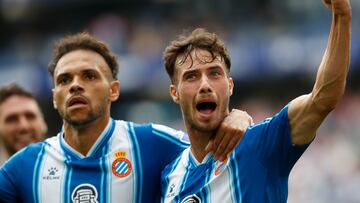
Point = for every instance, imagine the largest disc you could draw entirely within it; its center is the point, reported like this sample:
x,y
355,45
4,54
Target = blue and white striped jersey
x,y
257,171
124,165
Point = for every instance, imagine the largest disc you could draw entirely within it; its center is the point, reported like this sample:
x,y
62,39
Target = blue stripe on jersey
x,y
235,179
170,138
109,176
182,186
166,173
38,164
138,165
205,192
68,174
103,185
103,164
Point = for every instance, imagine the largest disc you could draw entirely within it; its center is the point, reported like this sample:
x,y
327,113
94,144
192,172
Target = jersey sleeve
x,y
9,174
171,141
270,142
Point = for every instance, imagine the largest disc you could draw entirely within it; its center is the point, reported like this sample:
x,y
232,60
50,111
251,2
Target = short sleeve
x,y
270,141
8,179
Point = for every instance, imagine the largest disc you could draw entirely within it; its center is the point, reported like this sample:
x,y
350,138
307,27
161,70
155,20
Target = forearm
x,y
331,76
307,112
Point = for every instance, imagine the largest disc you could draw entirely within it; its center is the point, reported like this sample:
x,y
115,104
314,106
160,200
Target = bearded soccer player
x,y
258,170
95,158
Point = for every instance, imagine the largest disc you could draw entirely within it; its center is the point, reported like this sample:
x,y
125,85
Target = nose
x,y
205,86
76,86
24,124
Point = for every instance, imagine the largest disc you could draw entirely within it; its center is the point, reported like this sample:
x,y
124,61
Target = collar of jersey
x,y
194,163
96,150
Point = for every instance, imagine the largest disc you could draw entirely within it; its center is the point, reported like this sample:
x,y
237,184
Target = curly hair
x,y
83,41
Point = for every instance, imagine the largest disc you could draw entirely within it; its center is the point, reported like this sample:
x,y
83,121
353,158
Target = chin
x,y
206,128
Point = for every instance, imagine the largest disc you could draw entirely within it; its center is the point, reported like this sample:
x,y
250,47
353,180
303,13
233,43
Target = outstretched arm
x,y
307,112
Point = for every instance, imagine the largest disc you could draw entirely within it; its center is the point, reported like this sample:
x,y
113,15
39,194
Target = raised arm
x,y
307,112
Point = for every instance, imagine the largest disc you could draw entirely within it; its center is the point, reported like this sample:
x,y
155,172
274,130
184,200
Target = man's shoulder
x,y
154,130
278,118
26,154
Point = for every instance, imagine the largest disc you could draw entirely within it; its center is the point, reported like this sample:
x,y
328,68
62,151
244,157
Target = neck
x,y
198,141
83,138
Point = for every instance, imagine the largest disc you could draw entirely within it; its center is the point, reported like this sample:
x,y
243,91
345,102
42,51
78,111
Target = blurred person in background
x,y
95,157
21,120
198,65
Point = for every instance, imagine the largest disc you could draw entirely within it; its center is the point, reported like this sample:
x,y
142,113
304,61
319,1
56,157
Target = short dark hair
x,y
83,41
13,90
198,38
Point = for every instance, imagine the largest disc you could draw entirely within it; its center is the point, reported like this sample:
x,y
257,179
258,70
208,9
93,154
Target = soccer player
x,y
21,120
258,169
96,158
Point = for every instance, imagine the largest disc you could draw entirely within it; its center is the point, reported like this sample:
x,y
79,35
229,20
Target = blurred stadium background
x,y
276,47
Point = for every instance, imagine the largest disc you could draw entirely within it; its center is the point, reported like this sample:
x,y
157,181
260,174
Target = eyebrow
x,y
61,75
186,72
86,70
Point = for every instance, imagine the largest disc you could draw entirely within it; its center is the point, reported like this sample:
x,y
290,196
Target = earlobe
x,y
114,90
174,93
231,86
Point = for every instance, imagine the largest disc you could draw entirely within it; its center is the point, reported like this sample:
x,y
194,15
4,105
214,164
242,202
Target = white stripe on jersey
x,y
219,187
52,173
123,143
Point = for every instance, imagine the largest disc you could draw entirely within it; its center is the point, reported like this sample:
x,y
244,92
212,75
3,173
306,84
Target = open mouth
x,y
206,107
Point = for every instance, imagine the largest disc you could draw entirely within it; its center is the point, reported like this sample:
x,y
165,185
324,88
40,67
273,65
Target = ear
x,y
114,90
174,93
53,96
231,85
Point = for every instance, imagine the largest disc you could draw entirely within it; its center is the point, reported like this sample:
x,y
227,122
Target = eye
x,y
11,119
30,116
63,80
190,76
90,75
215,73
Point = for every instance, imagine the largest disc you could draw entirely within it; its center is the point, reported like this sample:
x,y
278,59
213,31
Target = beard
x,y
207,128
87,119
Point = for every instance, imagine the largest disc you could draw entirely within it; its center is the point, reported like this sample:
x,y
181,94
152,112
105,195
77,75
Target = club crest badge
x,y
220,167
121,166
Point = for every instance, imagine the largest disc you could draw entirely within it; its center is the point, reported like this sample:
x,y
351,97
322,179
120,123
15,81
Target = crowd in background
x,y
276,47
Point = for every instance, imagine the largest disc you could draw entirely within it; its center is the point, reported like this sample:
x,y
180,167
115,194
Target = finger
x,y
222,146
210,146
233,143
218,137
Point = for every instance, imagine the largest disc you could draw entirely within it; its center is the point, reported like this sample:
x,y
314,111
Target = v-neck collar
x,y
96,149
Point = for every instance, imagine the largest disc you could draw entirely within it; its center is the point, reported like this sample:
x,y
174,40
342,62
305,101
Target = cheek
x,y
187,90
58,97
8,132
